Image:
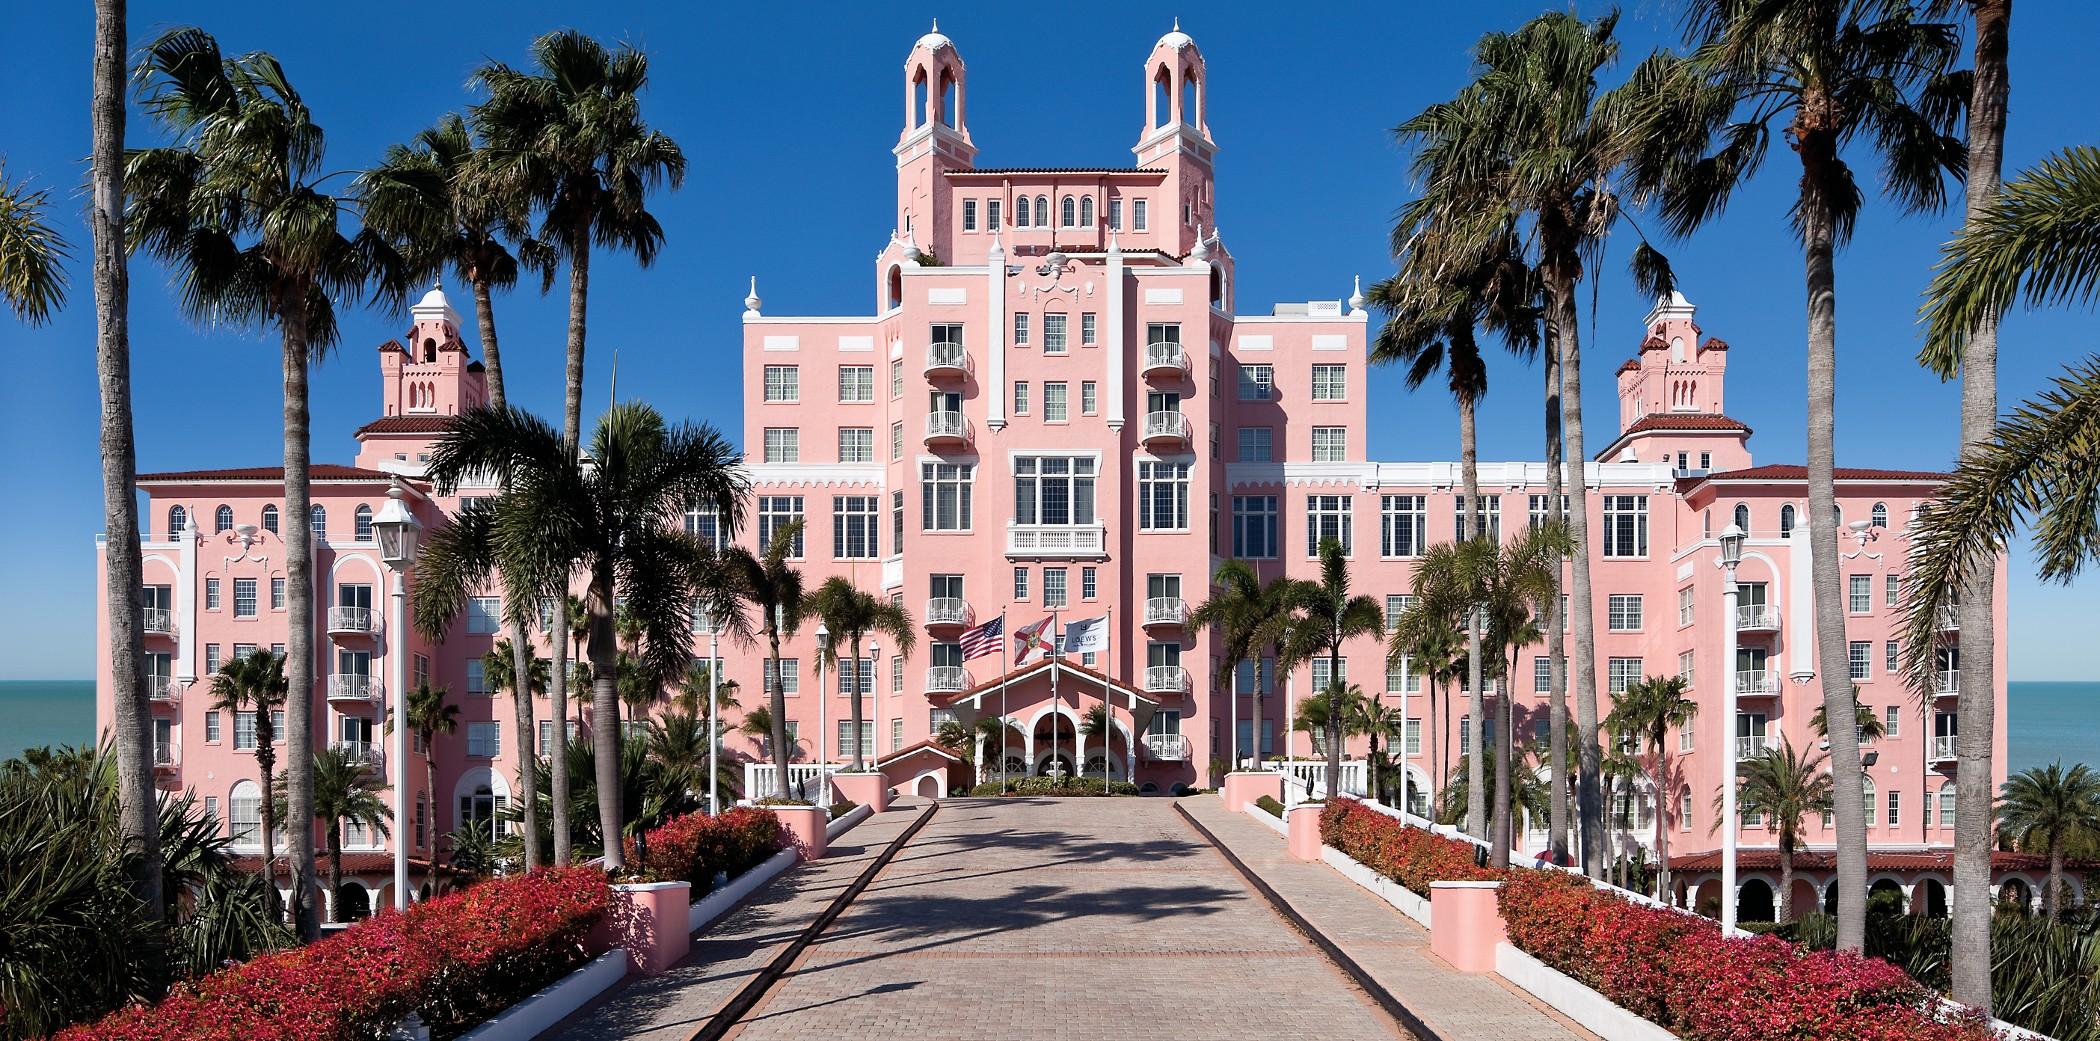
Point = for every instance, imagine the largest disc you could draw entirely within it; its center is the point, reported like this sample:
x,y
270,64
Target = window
x,y
1086,211
1947,793
1891,591
1895,807
1330,382
1053,489
1403,525
856,445
1397,604
1706,460
1042,211
855,520
319,517
1089,583
1330,444
1257,444
269,518
1624,612
211,594
1685,662
211,727
277,593
1020,328
222,519
790,675
244,730
1490,515
1625,525
1163,496
1089,398
897,378
944,492
704,525
1880,518
1889,657
1786,520
897,441
178,521
1087,322
484,615
361,523
783,445
477,677
1054,332
211,659
1020,397
856,383
1623,673
245,805
1257,382
244,602
991,214
1742,516
776,512
1320,672
897,522
1137,214
1021,584
1892,721
1055,406
1465,735
783,383
969,215
1326,517
1859,593
1860,654
484,740
856,678
1254,527
1054,588
1115,214
1537,507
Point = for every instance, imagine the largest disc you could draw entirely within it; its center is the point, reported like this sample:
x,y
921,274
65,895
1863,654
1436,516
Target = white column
x,y
1112,347
396,630
714,740
1728,812
995,334
186,663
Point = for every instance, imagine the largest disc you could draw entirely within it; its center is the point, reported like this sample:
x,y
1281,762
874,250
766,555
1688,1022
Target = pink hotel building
x,y
1057,406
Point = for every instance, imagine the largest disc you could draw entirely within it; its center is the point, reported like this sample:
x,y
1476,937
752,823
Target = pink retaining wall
x,y
804,829
1466,924
1244,787
871,790
649,920
1303,822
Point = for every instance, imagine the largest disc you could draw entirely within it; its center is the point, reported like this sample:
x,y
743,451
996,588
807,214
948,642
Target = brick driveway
x,y
1032,918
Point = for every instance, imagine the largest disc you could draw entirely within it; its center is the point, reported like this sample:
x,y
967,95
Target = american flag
x,y
983,639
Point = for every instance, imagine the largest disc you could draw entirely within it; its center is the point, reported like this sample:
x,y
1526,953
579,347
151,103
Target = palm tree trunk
x,y
267,763
605,715
2055,903
1376,792
1433,798
1253,713
1975,701
1334,722
856,716
1469,478
429,804
1550,618
1443,763
579,305
1662,821
335,872
1786,880
1818,159
1559,270
138,810
777,690
558,755
521,718
492,359
1505,747
299,622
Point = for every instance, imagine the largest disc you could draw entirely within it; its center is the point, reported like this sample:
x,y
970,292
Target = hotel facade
x,y
1056,406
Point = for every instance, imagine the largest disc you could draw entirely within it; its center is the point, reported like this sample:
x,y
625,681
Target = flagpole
x,y
1057,703
1003,673
1290,732
1108,711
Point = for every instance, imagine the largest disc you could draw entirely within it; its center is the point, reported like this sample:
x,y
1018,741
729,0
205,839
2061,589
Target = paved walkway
x,y
1388,944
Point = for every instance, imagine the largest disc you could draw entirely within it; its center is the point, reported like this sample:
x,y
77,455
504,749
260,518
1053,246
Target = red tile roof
x,y
1715,343
332,472
1877,860
912,750
1674,421
405,425
1629,365
1793,472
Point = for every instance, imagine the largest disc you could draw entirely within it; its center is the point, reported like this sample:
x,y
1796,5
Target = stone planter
x,y
1246,786
648,919
868,789
1466,924
803,829
1302,825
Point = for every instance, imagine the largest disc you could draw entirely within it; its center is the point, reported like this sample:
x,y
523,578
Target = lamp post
x,y
714,733
1731,555
398,530
863,679
823,644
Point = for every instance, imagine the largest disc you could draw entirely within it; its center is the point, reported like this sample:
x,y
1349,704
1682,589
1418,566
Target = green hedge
x,y
1270,804
1052,786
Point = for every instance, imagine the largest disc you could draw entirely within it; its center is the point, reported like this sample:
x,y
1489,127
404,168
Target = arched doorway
x,y
1755,902
2016,894
1885,896
352,903
1935,898
1830,898
928,785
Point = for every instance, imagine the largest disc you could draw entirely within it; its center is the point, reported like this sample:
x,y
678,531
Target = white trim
x,y
1590,1010
776,319
814,474
539,1013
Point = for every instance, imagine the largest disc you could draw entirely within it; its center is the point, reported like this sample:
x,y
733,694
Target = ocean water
x,y
45,712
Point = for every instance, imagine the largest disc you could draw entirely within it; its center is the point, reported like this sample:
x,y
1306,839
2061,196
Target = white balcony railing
x,y
1946,684
948,610
1166,359
1166,426
1756,682
166,757
1056,540
1943,748
1307,778
805,780
1749,748
947,359
1169,747
1166,610
946,679
363,753
163,689
351,686
1757,618
1949,619
947,426
1166,679
159,621
350,619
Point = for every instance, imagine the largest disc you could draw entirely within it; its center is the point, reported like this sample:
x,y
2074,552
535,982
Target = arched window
x,y
918,99
222,519
320,519
1068,211
1706,524
1086,211
1880,516
270,518
430,350
178,520
1866,788
1021,212
896,287
1042,211
1947,805
950,94
244,810
1786,520
1162,98
1684,808
1742,516
364,523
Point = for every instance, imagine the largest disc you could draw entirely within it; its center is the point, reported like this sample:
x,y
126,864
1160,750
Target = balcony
x,y
1166,428
1948,619
162,690
1166,679
1943,748
1172,748
351,621
158,621
1946,684
351,688
1756,618
948,610
1749,748
1056,540
166,758
950,429
1166,610
947,361
1166,360
362,753
1756,683
947,679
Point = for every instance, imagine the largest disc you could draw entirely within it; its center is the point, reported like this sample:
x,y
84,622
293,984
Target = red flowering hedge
x,y
1410,856
1676,970
454,960
693,847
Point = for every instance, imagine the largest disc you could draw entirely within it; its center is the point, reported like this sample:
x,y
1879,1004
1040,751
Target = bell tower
x,y
430,374
936,139
1177,138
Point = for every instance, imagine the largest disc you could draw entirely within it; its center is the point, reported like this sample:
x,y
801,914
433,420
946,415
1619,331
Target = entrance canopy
x,y
1028,688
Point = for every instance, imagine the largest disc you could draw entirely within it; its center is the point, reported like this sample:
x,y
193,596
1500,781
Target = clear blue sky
x,y
787,114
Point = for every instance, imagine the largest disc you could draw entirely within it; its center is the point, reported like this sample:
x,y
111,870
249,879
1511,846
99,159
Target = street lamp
x,y
714,731
1731,555
398,533
863,679
823,643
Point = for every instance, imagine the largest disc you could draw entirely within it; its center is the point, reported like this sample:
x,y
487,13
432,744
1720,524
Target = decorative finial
x,y
1356,299
1113,248
936,25
1202,248
1177,23
751,301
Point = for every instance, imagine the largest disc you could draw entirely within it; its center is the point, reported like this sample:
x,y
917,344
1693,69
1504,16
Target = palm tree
x,y
1247,616
757,725
2054,805
237,210
1328,616
1330,711
568,628
254,682
568,134
500,670
346,791
1782,786
773,587
1865,724
32,253
692,690
430,713
610,520
1371,717
1649,709
1621,770
852,614
1528,793
1430,647
1835,75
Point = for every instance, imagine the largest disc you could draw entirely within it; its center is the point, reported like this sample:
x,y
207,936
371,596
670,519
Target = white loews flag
x,y
1087,634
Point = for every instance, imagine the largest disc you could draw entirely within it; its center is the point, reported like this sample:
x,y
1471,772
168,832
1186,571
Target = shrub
x,y
695,847
842,808
1053,786
1410,856
1269,804
454,960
